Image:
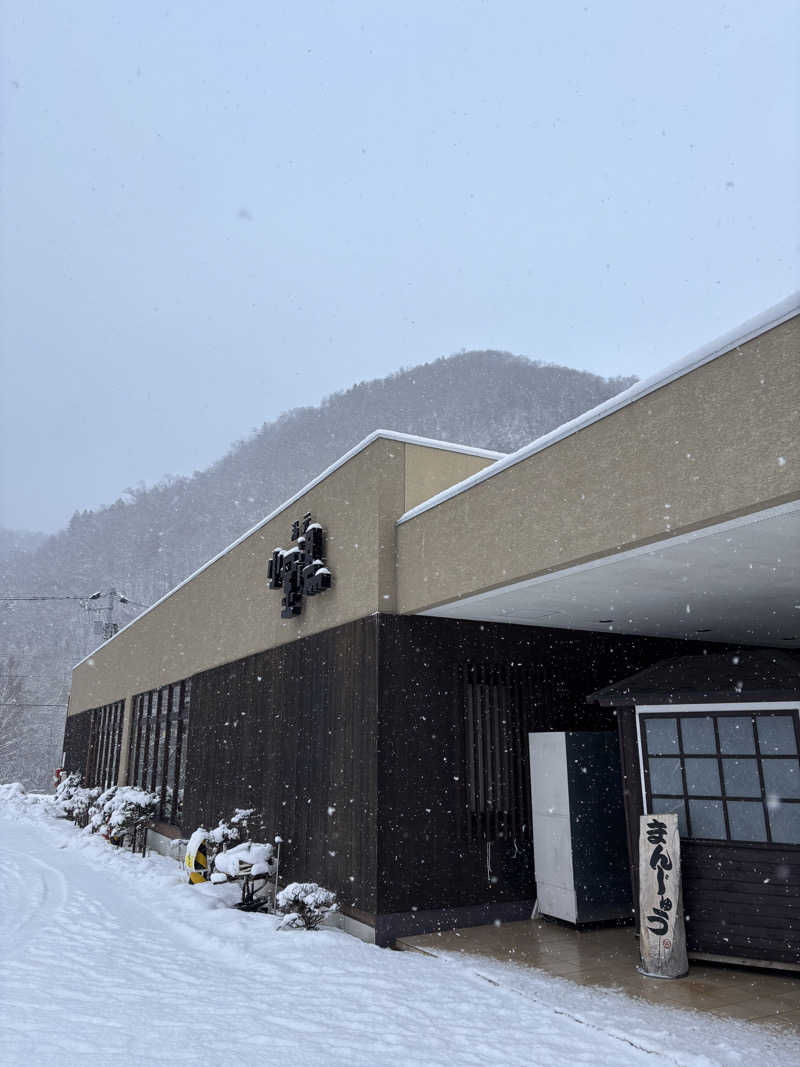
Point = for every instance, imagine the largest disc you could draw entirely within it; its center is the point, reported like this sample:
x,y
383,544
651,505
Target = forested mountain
x,y
151,538
18,541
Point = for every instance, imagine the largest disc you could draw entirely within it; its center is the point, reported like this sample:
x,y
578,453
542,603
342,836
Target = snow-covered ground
x,y
106,958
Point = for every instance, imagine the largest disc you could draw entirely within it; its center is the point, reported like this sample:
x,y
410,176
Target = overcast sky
x,y
212,213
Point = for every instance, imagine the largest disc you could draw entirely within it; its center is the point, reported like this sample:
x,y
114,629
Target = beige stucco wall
x,y
719,442
430,470
226,611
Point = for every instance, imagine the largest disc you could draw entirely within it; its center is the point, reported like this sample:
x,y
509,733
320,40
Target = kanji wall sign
x,y
300,571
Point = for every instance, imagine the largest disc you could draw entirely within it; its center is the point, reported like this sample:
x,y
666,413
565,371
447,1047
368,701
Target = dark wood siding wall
x,y
76,741
742,900
92,744
156,749
354,745
105,741
429,855
292,733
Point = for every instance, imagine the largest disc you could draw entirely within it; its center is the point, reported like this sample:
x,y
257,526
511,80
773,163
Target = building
x,y
434,608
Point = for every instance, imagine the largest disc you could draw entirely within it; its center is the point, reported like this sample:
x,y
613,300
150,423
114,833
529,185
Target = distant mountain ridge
x,y
151,538
19,541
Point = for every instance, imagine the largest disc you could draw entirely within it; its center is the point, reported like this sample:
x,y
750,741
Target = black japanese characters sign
x,y
300,571
662,940
658,922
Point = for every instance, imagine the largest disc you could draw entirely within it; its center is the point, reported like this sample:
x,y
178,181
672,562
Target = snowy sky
x,y
214,213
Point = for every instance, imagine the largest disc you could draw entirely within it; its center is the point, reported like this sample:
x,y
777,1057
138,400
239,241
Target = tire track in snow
x,y
26,895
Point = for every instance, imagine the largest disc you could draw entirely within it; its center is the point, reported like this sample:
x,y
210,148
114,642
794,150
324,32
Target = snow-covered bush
x,y
304,905
74,800
98,816
238,829
67,785
120,810
77,805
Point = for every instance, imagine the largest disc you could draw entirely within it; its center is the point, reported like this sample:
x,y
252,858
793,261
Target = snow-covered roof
x,y
390,435
767,320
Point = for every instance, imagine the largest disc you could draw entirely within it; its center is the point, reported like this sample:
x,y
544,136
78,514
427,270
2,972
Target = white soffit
x,y
737,581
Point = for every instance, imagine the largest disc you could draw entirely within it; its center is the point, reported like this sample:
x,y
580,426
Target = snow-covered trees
x,y
30,735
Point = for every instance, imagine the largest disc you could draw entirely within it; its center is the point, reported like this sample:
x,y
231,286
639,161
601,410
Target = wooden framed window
x,y
495,750
729,773
105,740
157,753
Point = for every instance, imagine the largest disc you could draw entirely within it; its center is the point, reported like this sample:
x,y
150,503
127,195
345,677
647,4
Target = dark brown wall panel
x,y
428,857
76,741
742,901
292,733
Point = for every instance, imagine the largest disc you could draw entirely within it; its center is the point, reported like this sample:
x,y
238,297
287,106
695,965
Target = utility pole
x,y
105,629
110,628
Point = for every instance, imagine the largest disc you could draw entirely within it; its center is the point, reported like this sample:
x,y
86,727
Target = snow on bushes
x,y
75,800
239,828
252,863
114,813
305,905
67,786
120,809
77,806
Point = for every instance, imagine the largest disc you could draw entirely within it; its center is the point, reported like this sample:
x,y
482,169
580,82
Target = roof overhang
x,y
737,581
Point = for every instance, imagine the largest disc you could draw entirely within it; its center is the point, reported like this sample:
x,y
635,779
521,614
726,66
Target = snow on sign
x,y
300,571
662,941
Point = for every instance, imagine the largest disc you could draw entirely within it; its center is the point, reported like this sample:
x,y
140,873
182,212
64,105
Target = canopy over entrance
x,y
749,675
736,582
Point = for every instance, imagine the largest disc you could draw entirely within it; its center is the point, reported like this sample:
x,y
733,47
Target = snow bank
x,y
11,790
108,957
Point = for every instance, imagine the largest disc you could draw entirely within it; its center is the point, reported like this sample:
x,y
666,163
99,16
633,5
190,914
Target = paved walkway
x,y
607,959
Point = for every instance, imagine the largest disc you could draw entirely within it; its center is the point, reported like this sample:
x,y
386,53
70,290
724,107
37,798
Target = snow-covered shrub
x,y
120,810
98,813
67,785
238,829
74,800
304,905
77,805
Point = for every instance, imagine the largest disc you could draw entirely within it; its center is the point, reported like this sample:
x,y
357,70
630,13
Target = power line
x,y
93,596
12,705
107,628
46,597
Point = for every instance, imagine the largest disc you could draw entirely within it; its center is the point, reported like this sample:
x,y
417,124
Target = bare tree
x,y
27,732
